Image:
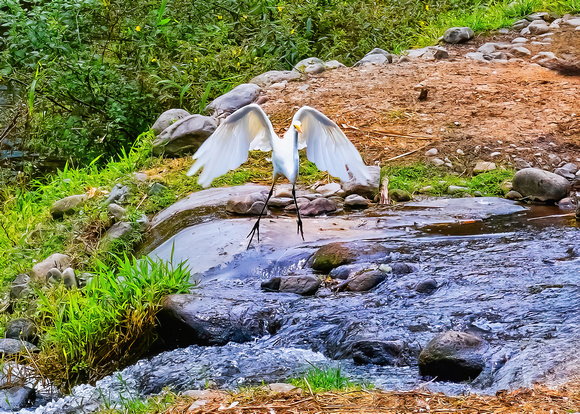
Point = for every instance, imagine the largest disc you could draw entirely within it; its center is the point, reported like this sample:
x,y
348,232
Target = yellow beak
x,y
298,127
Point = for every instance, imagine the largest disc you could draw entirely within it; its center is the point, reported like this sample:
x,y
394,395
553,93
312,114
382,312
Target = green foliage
x,y
414,177
325,379
109,324
154,404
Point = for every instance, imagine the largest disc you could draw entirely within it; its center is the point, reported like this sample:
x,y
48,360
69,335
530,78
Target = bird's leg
x,y
256,228
300,230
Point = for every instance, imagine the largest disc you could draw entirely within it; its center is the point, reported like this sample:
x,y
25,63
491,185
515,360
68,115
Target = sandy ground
x,y
517,109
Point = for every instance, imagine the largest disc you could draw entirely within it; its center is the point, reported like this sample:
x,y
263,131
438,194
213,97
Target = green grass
x,y
414,177
324,379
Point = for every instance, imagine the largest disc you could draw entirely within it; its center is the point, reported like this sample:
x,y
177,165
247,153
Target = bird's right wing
x,y
227,148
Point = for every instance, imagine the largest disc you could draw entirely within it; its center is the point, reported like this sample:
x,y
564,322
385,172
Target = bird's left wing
x,y
227,148
328,147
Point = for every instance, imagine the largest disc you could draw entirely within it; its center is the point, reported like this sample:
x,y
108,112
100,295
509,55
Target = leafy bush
x,y
109,324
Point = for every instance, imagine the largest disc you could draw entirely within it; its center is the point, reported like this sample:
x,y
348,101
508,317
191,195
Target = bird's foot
x,y
255,231
300,230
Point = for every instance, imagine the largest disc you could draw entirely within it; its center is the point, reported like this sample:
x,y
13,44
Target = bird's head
x,y
298,126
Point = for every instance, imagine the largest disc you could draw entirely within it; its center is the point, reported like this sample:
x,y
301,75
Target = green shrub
x,y
325,379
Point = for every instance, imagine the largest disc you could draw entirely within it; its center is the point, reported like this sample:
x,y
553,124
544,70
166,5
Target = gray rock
x,y
118,231
20,287
365,281
540,185
337,254
305,285
519,40
478,56
483,166
251,204
318,206
168,118
401,268
452,356
538,16
185,136
280,201
54,276
456,189
544,55
520,24
304,64
567,171
22,329
426,286
156,189
330,189
376,59
458,35
117,211
432,152
538,27
143,222
9,346
356,201
16,398
333,64
69,278
348,271
275,76
520,163
314,69
281,388
487,48
40,270
377,352
237,98
520,51
572,22
437,162
399,195
119,194
271,285
503,31
513,195
379,51
428,53
368,189
67,205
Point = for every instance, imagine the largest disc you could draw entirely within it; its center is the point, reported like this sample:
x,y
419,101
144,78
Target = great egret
x,y
250,129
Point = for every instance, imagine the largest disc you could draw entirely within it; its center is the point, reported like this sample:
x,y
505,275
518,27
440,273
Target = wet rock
x,y
567,171
184,136
399,195
540,185
209,321
9,346
366,189
336,254
456,189
168,118
280,201
377,352
330,189
401,268
513,195
67,205
237,98
22,329
251,204
426,286
305,285
356,201
307,63
16,398
275,76
566,204
365,281
318,206
458,35
272,285
333,64
452,356
116,211
58,260
348,271
119,194
20,287
483,166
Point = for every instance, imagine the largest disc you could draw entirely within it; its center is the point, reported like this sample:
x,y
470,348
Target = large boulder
x,y
275,76
168,118
540,185
237,98
67,205
185,135
58,260
453,356
458,35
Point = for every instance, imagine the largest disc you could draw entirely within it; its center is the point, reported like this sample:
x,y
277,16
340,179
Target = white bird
x,y
250,129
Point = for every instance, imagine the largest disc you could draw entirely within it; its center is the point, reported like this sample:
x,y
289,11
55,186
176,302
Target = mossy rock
x,y
337,254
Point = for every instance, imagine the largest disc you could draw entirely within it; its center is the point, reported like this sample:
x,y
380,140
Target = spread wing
x,y
227,148
328,147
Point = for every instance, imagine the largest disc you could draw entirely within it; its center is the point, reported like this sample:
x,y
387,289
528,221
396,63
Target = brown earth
x,y
518,108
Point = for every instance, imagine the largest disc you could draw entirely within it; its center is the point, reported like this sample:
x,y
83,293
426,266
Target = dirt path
x,y
489,111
